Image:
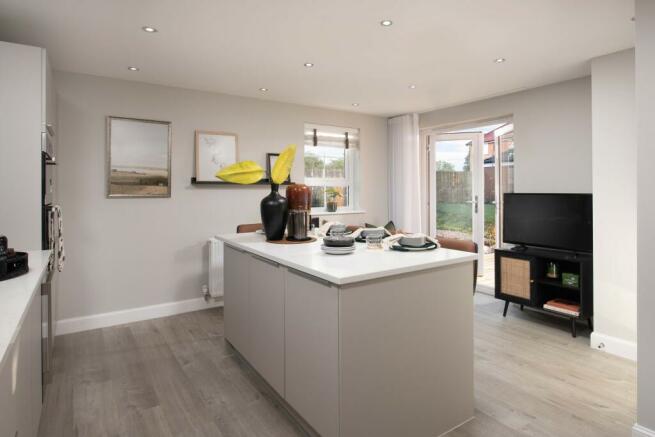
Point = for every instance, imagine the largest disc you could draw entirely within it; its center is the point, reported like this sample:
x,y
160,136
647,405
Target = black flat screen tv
x,y
554,221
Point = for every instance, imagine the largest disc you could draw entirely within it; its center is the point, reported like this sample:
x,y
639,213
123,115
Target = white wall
x,y
645,86
127,253
552,133
614,170
20,145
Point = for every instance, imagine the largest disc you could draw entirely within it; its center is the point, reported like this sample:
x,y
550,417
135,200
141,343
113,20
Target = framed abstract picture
x,y
214,150
138,157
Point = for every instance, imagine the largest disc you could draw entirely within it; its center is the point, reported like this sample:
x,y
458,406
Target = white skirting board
x,y
642,431
614,345
103,320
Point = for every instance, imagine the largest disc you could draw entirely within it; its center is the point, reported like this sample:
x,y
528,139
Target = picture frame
x,y
270,162
138,157
214,150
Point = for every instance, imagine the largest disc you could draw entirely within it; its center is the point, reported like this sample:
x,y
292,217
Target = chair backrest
x,y
249,227
455,244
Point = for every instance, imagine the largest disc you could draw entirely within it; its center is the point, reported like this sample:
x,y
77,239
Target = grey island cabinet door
x,y
236,312
311,331
266,312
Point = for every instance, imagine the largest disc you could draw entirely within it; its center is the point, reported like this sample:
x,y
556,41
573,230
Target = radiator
x,y
215,268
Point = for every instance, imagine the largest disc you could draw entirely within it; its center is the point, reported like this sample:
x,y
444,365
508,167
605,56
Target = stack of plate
x,y
343,250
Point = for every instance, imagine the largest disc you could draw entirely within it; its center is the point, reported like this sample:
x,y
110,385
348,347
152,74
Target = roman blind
x,y
331,136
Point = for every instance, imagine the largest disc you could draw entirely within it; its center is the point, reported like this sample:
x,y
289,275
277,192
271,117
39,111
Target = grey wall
x,y
615,201
127,253
20,145
552,133
645,74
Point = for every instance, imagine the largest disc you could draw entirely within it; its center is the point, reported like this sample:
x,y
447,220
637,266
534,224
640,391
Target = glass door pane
x,y
456,187
454,210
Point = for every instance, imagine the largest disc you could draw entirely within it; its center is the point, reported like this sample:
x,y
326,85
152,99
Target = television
x,y
553,221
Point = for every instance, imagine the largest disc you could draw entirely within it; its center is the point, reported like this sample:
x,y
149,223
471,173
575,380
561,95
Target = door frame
x,y
477,184
498,133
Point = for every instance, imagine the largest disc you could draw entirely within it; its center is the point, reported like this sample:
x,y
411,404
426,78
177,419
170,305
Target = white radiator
x,y
215,267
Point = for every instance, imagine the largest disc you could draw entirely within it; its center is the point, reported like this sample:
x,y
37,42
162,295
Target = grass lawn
x,y
457,216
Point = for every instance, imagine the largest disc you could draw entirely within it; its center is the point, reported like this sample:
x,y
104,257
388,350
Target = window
x,y
332,167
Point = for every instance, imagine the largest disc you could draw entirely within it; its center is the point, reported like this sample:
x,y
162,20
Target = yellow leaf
x,y
244,172
283,164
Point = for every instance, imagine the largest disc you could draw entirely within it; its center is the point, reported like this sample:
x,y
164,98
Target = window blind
x,y
331,136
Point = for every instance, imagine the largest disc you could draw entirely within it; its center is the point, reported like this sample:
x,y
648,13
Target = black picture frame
x,y
269,166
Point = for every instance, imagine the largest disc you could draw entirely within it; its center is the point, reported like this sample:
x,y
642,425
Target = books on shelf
x,y
563,306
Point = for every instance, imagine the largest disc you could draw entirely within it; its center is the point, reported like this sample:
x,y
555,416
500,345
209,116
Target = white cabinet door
x,y
236,313
8,425
312,351
266,312
22,389
20,378
32,326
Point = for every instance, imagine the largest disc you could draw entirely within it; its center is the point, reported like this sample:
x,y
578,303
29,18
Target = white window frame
x,y
351,179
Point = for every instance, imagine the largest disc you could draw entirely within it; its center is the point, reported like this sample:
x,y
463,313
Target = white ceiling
x,y
445,47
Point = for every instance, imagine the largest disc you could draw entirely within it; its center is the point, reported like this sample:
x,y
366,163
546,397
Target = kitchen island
x,y
374,343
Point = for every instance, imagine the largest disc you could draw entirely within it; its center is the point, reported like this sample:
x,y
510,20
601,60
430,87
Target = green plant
x,y
490,234
332,194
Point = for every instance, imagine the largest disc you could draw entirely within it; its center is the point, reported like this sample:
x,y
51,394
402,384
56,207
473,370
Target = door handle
x,y
475,203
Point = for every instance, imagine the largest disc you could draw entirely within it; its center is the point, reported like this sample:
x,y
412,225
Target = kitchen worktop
x,y
15,296
362,265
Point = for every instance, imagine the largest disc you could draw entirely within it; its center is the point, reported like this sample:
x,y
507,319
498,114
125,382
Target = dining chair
x,y
464,246
249,227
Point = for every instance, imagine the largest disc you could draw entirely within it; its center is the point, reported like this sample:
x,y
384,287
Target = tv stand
x,y
519,248
521,278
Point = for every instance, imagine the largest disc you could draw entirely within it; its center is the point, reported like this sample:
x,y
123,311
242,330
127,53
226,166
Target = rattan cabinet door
x,y
515,277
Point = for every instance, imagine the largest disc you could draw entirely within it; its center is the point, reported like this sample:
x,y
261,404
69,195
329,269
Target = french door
x,y
456,187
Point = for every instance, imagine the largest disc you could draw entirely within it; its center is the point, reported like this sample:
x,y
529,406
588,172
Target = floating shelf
x,y
230,184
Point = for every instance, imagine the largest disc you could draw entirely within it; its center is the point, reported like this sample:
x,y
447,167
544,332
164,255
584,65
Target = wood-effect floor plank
x,y
178,377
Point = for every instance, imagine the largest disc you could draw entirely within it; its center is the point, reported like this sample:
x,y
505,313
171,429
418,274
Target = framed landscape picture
x,y
138,157
214,150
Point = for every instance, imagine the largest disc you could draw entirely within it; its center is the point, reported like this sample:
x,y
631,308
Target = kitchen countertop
x,y
15,296
362,265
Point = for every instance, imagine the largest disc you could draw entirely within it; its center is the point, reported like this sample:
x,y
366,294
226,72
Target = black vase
x,y
275,211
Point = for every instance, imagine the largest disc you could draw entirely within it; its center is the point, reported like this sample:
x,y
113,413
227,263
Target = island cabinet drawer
x,y
312,351
266,312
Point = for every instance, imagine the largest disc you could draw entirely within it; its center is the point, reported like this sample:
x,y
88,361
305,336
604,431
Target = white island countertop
x,y
15,296
362,265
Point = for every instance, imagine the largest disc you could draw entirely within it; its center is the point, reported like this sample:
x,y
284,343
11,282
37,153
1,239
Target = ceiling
x,y
444,47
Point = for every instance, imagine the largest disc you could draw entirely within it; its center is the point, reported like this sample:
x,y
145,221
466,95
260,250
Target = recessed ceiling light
x,y
149,29
386,23
355,104
412,87
499,60
263,90
308,64
132,68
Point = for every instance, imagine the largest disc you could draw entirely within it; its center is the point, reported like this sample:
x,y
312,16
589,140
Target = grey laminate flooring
x,y
176,376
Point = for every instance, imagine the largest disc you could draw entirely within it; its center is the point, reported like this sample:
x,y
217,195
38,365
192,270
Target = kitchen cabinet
x,y
266,312
237,320
312,351
20,378
334,336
